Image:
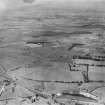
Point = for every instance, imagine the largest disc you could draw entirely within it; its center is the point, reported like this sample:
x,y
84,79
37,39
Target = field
x,y
60,28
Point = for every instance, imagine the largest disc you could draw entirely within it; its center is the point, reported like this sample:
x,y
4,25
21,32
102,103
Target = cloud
x,y
28,1
98,4
2,5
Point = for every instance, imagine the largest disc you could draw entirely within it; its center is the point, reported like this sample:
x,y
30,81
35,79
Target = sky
x,y
6,4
